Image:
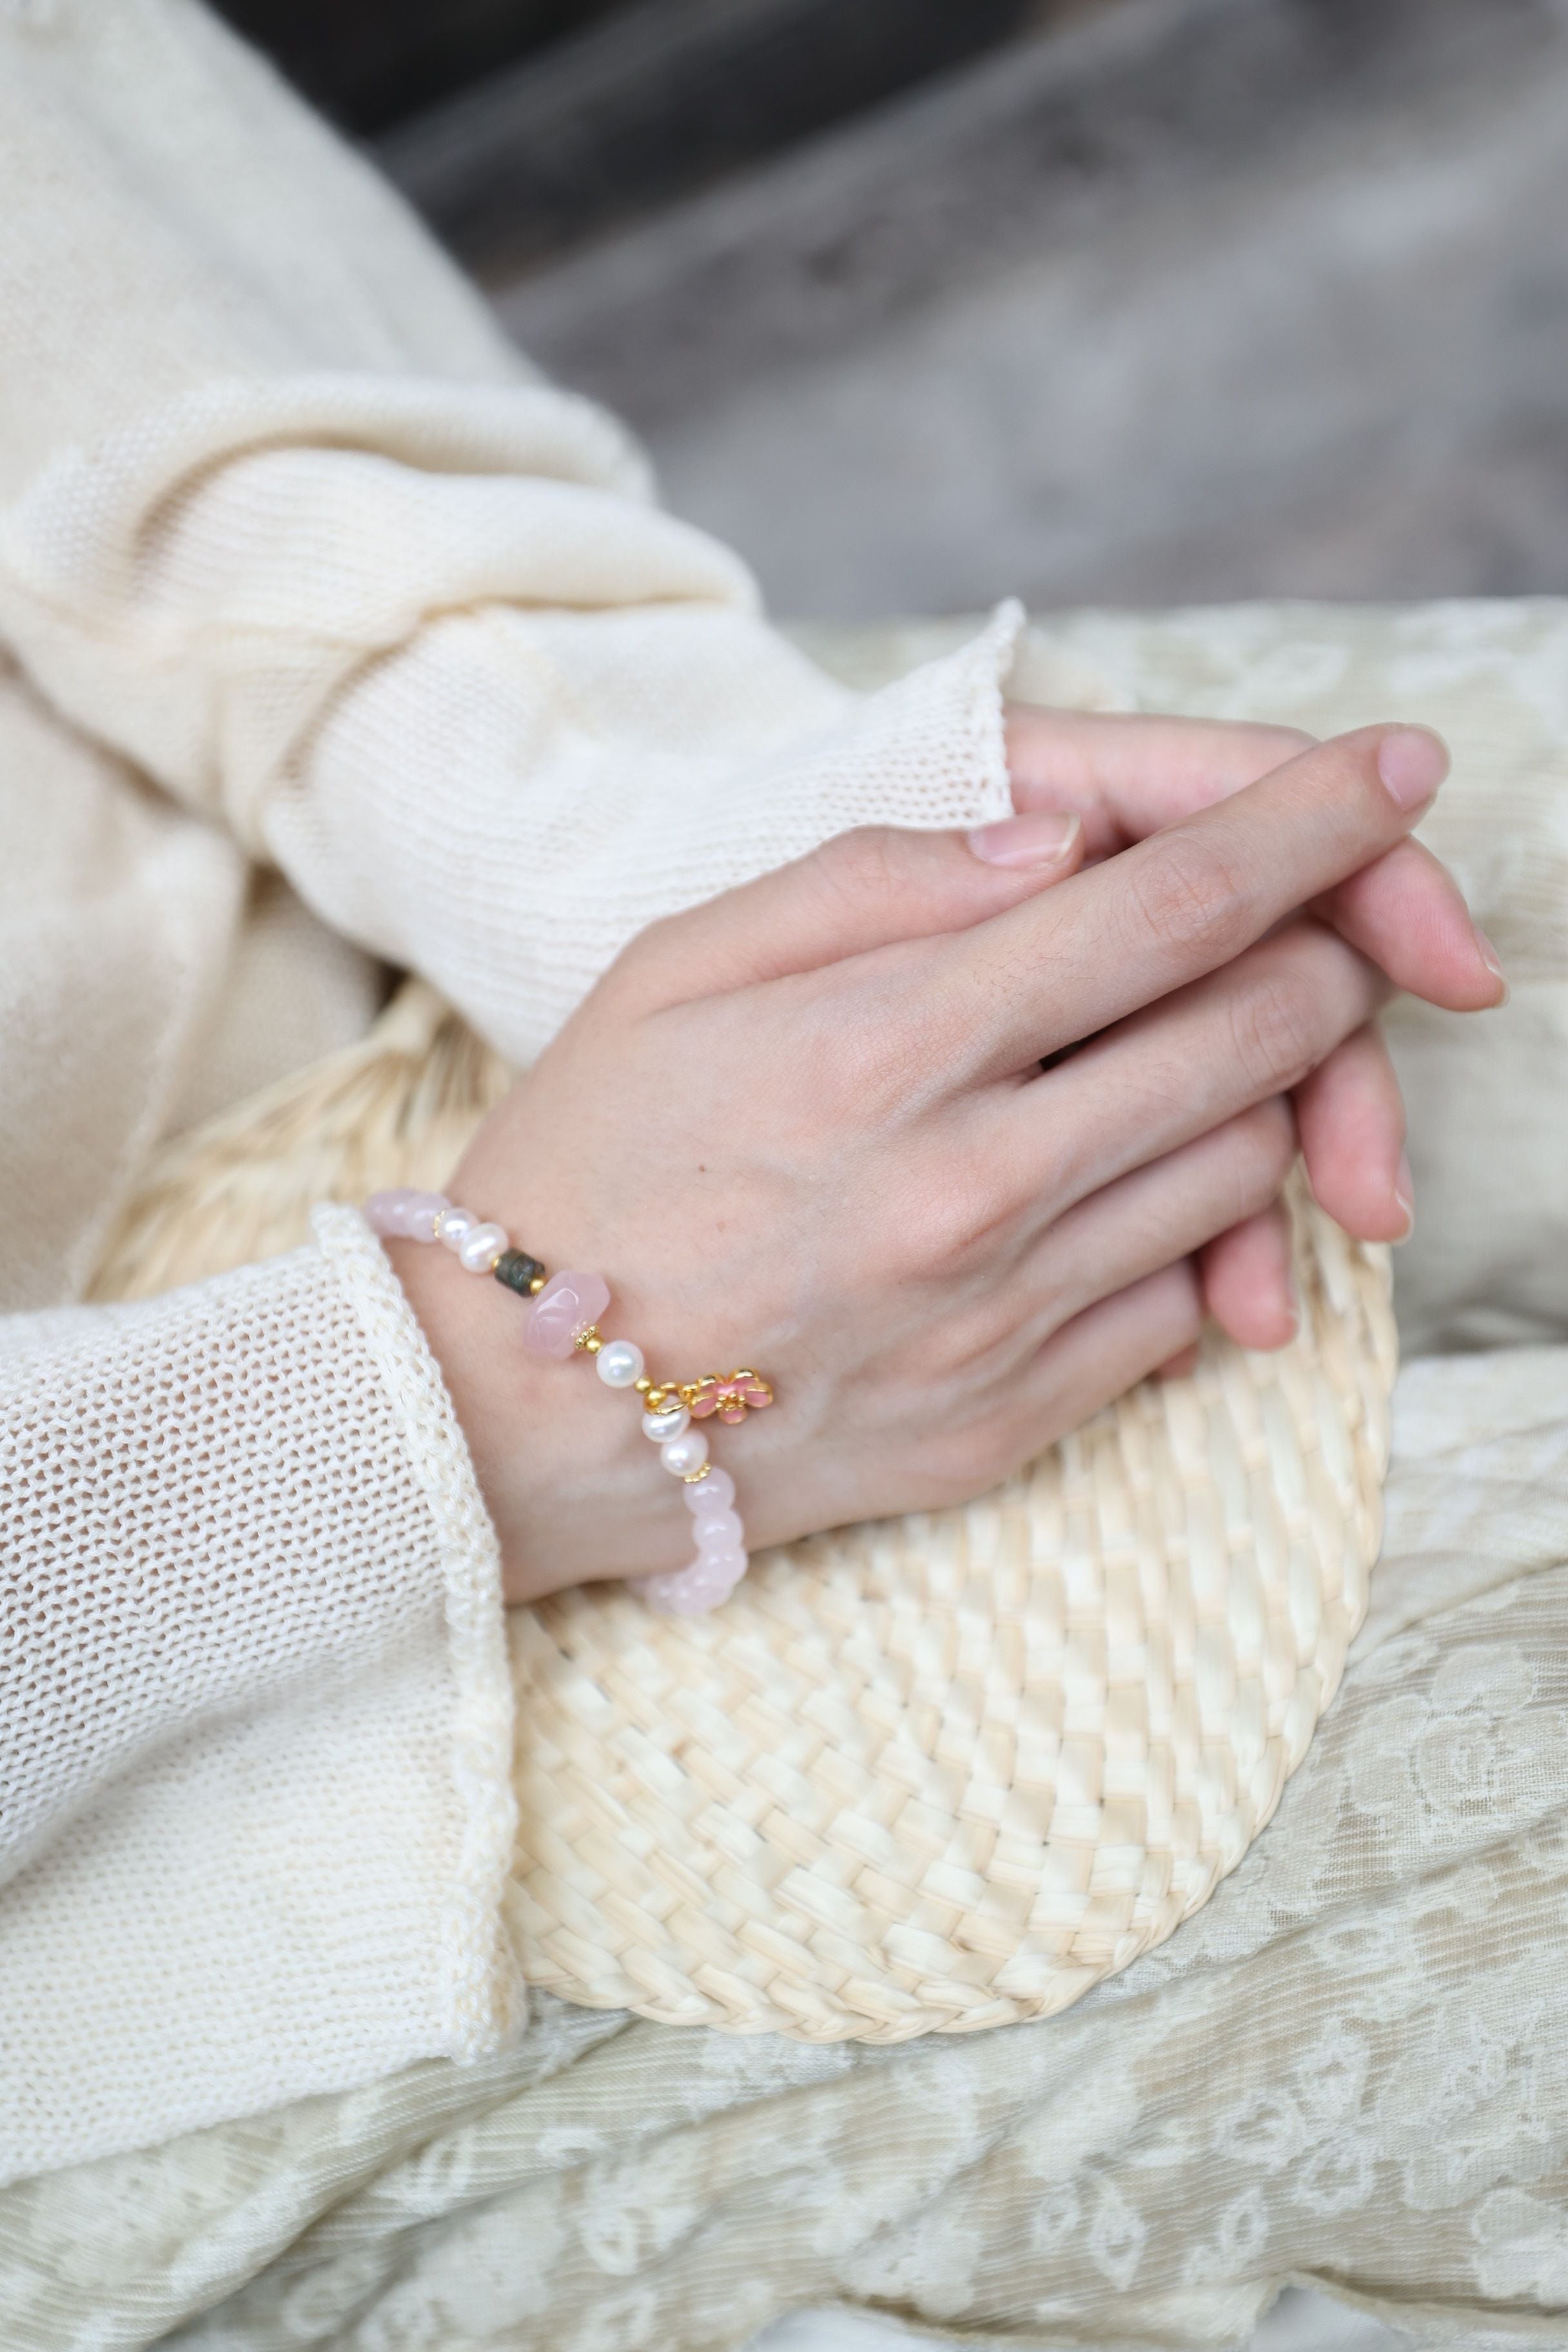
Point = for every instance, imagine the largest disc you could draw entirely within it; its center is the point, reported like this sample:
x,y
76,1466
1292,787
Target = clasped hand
x,y
957,1136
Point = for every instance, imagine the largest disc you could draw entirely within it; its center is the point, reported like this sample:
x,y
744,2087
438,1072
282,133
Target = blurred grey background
x,y
918,302
922,303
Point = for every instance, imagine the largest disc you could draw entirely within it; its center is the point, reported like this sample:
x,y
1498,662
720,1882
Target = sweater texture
x,y
330,638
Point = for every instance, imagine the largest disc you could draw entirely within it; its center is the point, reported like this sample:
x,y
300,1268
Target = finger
x,y
1351,1117
1249,1284
1159,1214
1171,1073
1127,776
1405,912
1177,1367
1099,1356
1121,935
860,891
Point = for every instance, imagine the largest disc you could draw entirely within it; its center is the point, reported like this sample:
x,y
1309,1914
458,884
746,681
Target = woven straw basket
x,y
920,1776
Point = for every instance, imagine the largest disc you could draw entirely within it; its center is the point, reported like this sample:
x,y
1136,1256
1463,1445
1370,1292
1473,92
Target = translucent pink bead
x,y
383,1212
567,1305
404,1213
720,1531
710,1494
689,1592
727,1562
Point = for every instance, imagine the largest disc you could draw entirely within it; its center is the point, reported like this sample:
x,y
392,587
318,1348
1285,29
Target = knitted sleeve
x,y
248,1583
284,519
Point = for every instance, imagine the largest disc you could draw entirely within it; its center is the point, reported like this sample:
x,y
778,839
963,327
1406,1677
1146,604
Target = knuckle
x,y
1274,1138
968,1461
945,1222
1275,1030
635,967
1194,892
862,1053
854,1069
1262,1150
870,862
1282,744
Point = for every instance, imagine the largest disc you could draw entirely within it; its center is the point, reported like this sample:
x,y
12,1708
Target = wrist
x,y
572,1487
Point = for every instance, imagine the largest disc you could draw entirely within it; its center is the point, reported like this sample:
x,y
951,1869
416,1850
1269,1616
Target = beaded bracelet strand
x,y
564,1320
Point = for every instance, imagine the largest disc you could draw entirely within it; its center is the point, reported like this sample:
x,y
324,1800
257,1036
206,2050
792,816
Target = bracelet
x,y
564,1320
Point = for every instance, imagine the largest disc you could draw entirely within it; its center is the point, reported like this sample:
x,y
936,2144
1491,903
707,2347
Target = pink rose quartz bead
x,y
729,1564
567,1305
720,1531
714,1493
404,1213
383,1212
688,1592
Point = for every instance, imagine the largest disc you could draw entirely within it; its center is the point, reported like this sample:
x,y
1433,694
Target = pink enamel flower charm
x,y
730,1395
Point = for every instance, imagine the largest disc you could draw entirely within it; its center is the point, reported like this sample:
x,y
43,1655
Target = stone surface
x,y
568,1302
1206,298
518,1271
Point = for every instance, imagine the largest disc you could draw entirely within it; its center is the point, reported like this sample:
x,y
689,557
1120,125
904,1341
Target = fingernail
x,y
1412,762
1489,957
1038,837
1404,1193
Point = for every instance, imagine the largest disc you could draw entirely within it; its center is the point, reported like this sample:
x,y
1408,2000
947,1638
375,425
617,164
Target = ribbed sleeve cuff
x,y
485,1993
256,1724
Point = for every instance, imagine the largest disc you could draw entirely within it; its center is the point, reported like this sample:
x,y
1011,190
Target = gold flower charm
x,y
730,1395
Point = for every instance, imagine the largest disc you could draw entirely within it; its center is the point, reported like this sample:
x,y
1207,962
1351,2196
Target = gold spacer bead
x,y
695,1477
536,1285
589,1342
644,1387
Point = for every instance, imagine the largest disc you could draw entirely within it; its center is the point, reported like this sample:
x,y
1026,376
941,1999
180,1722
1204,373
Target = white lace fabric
x,y
251,1591
1349,2068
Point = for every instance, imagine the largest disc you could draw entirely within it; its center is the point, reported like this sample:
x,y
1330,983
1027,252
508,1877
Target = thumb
x,y
869,888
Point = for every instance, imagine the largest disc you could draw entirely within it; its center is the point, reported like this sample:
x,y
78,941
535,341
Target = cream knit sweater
x,y
328,635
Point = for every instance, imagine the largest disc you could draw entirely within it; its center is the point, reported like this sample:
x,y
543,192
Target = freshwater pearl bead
x,y
618,1364
720,1531
456,1225
683,1455
661,1426
714,1493
568,1303
479,1247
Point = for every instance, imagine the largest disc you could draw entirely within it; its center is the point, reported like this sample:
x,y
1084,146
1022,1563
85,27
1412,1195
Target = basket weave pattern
x,y
926,1776
946,1773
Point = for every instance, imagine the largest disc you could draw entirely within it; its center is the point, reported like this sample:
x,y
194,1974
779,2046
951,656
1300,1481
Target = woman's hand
x,y
1126,777
853,1174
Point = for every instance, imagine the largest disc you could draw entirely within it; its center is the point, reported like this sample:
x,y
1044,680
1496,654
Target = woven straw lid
x,y
925,1776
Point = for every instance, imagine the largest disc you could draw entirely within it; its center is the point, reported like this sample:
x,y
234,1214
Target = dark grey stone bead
x,y
517,1270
